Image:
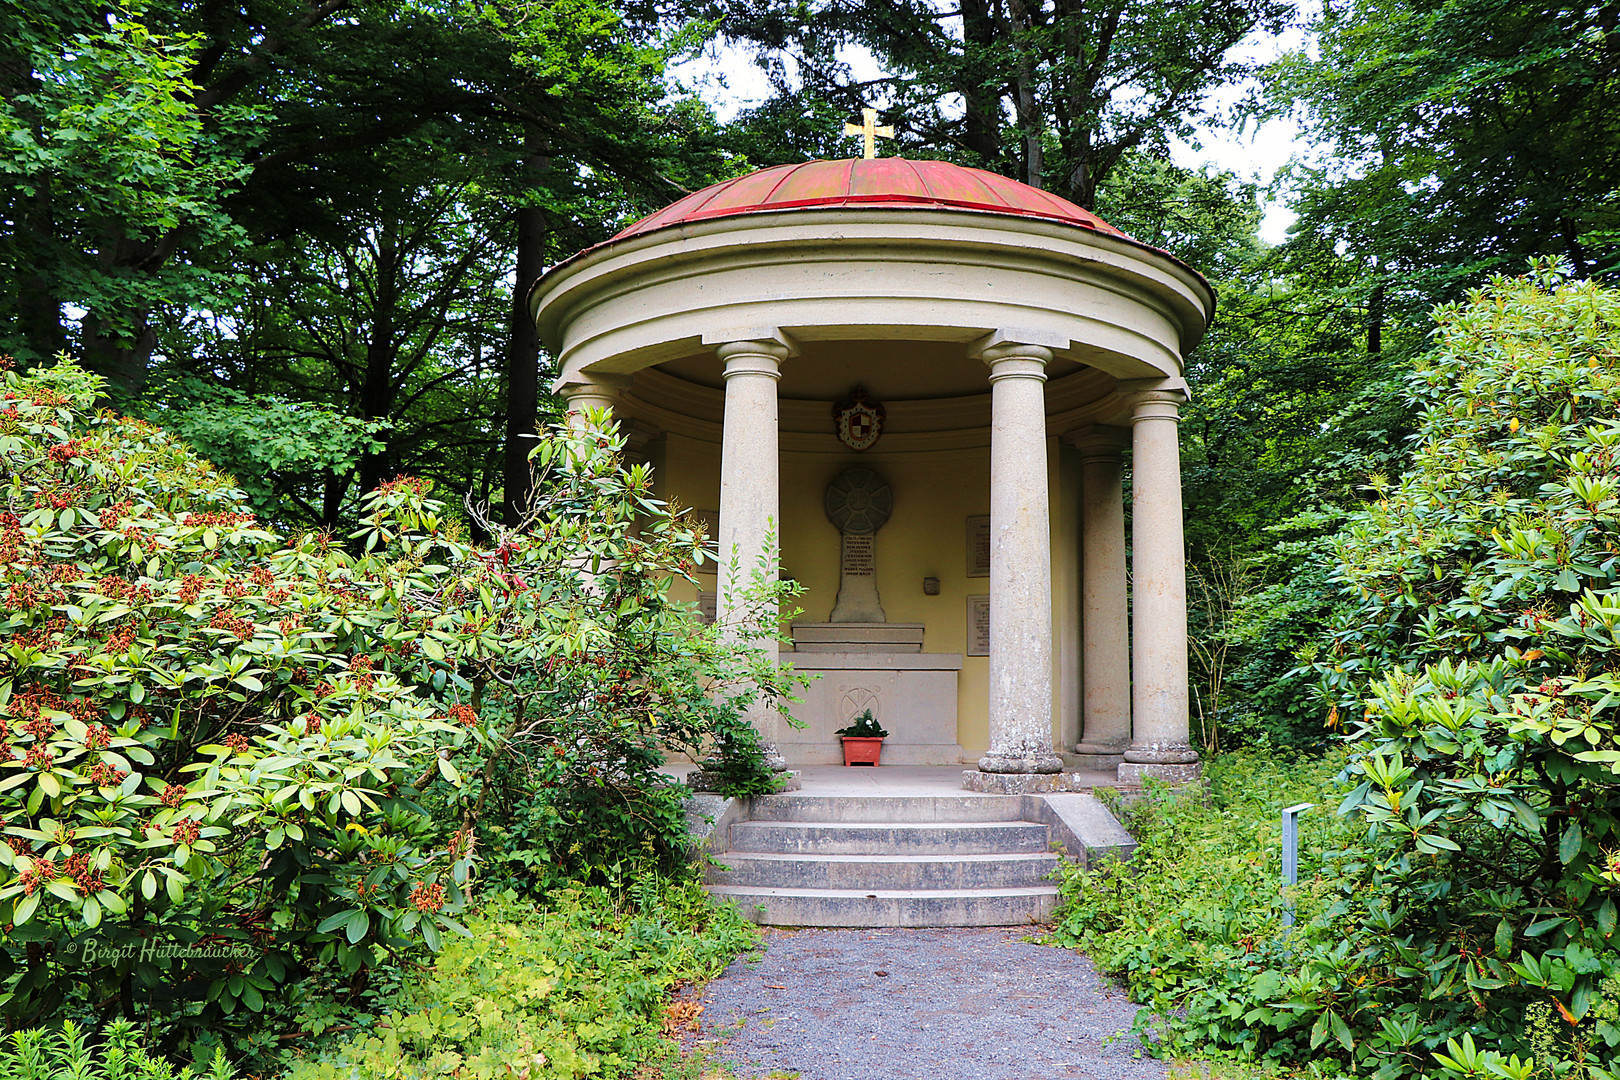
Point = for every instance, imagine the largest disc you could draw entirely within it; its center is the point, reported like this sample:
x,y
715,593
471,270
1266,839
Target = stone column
x,y
1159,714
591,392
750,505
1104,618
1020,565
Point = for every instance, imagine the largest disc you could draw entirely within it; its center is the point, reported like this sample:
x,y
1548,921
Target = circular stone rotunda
x,y
910,386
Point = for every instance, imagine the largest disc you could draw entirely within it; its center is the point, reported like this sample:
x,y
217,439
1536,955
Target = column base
x,y
1134,772
1161,754
1031,763
996,783
1097,755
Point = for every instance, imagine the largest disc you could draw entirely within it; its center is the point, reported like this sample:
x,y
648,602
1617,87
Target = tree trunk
x,y
39,307
1375,321
1027,110
377,387
332,493
983,127
1573,247
523,343
124,360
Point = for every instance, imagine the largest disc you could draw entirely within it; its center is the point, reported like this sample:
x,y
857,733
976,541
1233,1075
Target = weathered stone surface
x,y
1132,772
899,838
1082,825
1020,562
933,860
1093,762
705,781
859,502
1023,783
913,695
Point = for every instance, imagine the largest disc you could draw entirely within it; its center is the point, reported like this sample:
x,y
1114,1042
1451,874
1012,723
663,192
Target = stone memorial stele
x,y
859,502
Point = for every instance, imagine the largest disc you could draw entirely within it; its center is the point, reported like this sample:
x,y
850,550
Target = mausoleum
x,y
913,386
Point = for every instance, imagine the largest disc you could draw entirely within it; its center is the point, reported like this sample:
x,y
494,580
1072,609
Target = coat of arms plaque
x,y
859,420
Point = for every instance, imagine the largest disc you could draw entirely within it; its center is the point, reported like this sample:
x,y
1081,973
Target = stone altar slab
x,y
913,695
848,637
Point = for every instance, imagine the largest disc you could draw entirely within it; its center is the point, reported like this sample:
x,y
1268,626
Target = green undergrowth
x,y
70,1053
580,987
1178,923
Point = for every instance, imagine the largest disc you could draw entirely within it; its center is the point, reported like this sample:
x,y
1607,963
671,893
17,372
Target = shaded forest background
x,y
296,232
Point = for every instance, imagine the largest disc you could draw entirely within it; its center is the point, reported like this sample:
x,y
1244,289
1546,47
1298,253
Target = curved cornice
x,y
872,272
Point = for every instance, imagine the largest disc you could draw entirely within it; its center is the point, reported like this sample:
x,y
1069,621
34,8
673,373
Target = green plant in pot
x,y
863,740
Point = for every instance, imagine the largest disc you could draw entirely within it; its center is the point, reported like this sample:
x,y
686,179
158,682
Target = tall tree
x,y
1053,92
1460,138
112,181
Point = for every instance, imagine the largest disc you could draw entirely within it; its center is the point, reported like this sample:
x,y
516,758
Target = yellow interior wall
x,y
926,536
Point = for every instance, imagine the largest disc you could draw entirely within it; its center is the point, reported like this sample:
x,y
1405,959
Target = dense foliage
x,y
579,988
67,1051
1475,882
214,731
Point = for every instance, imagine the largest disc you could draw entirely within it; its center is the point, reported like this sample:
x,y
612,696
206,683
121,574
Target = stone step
x,y
891,907
771,870
878,808
888,838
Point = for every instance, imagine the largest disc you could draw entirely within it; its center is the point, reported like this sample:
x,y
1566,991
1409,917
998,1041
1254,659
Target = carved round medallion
x,y
859,501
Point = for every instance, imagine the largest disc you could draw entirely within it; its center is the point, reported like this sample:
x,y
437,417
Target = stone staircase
x,y
869,861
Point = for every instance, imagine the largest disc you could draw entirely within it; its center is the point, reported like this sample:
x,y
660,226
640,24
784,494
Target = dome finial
x,y
869,131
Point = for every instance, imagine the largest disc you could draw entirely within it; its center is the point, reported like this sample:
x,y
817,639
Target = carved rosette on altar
x,y
859,502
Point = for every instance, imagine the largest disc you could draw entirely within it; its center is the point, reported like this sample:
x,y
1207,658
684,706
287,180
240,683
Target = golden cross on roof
x,y
869,131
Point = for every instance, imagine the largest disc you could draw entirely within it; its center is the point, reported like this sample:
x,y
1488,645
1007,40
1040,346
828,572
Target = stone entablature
x,y
828,274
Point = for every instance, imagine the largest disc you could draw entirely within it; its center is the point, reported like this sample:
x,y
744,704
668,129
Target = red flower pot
x,y
862,750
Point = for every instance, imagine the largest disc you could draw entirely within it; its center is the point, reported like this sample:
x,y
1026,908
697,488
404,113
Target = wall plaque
x,y
978,626
708,606
858,555
978,545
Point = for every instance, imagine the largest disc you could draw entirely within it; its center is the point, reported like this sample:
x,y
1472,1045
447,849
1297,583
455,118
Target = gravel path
x,y
922,1005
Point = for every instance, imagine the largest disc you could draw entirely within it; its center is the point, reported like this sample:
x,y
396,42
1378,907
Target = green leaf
x,y
358,924
448,771
1341,1032
1319,1031
1606,918
332,922
1569,845
25,909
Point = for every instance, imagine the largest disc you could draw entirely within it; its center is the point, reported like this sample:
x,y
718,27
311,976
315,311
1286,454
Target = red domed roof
x,y
876,182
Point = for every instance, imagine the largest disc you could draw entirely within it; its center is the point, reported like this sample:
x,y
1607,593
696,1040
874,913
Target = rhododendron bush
x,y
212,732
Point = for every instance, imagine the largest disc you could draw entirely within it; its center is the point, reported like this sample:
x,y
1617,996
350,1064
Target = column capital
x,y
1006,342
588,392
771,340
1154,399
1012,357
1099,442
750,358
593,385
